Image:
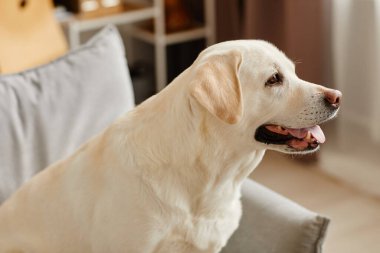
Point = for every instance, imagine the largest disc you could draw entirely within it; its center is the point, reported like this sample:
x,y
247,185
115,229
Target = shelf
x,y
151,14
130,14
168,39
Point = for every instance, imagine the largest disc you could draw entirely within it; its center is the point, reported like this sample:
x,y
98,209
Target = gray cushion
x,y
274,224
48,111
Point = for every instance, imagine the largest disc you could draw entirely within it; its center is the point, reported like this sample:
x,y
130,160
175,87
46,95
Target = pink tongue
x,y
317,133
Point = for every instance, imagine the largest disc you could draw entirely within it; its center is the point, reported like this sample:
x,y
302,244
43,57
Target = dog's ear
x,y
216,86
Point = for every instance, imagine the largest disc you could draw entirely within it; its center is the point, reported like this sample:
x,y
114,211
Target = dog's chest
x,y
201,234
210,233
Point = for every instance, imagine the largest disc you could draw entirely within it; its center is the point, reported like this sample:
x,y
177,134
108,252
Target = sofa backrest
x,y
48,111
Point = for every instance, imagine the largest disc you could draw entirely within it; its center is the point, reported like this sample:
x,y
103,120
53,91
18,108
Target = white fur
x,y
166,177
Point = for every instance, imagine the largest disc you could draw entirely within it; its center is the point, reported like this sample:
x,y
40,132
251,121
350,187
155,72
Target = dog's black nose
x,y
333,97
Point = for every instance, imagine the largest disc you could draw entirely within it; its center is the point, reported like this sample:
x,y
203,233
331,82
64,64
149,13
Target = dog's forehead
x,y
268,53
263,51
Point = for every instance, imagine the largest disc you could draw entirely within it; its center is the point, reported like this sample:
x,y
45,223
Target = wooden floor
x,y
355,215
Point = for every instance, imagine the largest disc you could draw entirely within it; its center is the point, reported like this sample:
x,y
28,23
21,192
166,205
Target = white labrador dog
x,y
166,177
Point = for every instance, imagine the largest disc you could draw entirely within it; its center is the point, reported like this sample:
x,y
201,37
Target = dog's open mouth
x,y
301,139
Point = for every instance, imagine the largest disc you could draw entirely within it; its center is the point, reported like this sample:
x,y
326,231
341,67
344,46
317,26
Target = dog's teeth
x,y
308,136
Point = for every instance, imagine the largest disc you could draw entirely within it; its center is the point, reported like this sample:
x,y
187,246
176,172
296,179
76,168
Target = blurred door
x,y
300,28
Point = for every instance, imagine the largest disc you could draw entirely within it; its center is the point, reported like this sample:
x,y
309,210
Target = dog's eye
x,y
274,79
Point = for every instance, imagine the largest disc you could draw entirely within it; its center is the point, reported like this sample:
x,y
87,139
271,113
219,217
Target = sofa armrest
x,y
274,224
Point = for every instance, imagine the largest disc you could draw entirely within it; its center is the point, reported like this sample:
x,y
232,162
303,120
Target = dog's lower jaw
x,y
291,151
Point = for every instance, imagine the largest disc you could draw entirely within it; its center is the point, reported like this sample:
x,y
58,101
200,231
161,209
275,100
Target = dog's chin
x,y
292,151
290,140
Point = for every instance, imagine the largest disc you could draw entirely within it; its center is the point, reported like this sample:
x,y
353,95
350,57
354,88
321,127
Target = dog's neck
x,y
187,150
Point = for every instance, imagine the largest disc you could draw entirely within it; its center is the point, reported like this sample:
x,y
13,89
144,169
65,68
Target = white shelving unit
x,y
168,39
158,38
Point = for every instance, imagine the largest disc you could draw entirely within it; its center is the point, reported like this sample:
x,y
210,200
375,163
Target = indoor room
x,y
190,126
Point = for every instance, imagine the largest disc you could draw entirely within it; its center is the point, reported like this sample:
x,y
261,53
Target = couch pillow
x,y
48,111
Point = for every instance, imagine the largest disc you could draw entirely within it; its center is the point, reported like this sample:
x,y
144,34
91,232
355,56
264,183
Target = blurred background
x,y
335,43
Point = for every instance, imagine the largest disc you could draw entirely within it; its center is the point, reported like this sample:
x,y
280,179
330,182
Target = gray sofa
x,y
47,112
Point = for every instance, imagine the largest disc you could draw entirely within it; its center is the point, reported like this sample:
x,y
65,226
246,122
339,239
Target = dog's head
x,y
252,86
